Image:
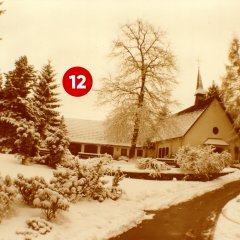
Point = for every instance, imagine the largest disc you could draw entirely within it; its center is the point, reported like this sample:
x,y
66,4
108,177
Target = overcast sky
x,y
80,33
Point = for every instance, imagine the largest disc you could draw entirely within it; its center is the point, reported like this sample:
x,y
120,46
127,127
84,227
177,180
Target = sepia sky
x,y
80,33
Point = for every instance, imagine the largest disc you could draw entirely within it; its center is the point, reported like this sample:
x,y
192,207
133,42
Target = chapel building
x,y
204,123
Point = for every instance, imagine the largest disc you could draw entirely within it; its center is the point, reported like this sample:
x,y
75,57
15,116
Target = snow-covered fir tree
x,y
50,124
18,88
57,143
17,110
231,82
46,101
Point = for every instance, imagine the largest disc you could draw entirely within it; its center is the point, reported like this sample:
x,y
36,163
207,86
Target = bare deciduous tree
x,y
145,75
1,11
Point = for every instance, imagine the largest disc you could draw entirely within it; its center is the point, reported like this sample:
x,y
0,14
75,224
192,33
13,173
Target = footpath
x,y
194,219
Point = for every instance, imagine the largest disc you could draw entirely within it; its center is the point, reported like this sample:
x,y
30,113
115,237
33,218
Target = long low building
x,y
87,137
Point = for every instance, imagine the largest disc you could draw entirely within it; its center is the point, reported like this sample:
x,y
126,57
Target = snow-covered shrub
x,y
8,193
27,141
68,183
28,187
82,178
202,160
57,144
118,176
115,191
39,224
50,202
107,156
39,160
152,164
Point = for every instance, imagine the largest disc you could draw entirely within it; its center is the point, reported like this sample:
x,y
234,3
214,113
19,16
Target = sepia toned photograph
x,y
119,120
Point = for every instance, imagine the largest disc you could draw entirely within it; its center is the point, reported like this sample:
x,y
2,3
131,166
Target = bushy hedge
x,y
50,202
8,193
202,160
39,225
73,180
84,178
28,187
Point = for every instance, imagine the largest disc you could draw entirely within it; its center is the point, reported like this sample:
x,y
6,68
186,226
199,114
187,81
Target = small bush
x,y
50,202
57,144
202,160
68,183
8,193
40,225
29,186
83,178
154,165
115,191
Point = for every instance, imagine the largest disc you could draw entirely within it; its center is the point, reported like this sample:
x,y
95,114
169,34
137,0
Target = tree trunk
x,y
137,124
134,137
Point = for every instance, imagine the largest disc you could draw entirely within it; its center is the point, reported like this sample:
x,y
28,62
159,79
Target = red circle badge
x,y
77,81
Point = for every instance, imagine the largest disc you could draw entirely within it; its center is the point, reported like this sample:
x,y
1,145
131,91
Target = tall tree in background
x,y
231,83
50,124
144,80
46,101
214,91
18,87
1,11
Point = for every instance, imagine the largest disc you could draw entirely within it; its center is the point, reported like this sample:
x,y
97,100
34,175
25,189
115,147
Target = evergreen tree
x,y
214,91
1,92
231,83
17,90
57,144
17,111
1,86
46,101
50,125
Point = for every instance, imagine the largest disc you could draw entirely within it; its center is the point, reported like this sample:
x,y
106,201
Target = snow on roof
x,y
88,131
177,125
200,91
216,141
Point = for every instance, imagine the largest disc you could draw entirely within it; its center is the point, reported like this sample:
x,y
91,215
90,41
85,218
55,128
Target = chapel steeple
x,y
200,92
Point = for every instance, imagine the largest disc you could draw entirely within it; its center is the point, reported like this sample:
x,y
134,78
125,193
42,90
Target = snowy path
x,y
194,219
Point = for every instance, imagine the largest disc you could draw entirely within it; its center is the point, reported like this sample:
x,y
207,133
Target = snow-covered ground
x,y
88,220
228,224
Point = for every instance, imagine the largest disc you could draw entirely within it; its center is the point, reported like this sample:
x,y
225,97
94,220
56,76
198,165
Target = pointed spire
x,y
200,92
199,89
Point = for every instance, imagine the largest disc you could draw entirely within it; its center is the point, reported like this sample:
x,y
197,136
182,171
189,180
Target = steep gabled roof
x,y
88,131
179,124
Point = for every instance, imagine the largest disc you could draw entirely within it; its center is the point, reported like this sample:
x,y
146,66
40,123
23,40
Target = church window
x,y
215,130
